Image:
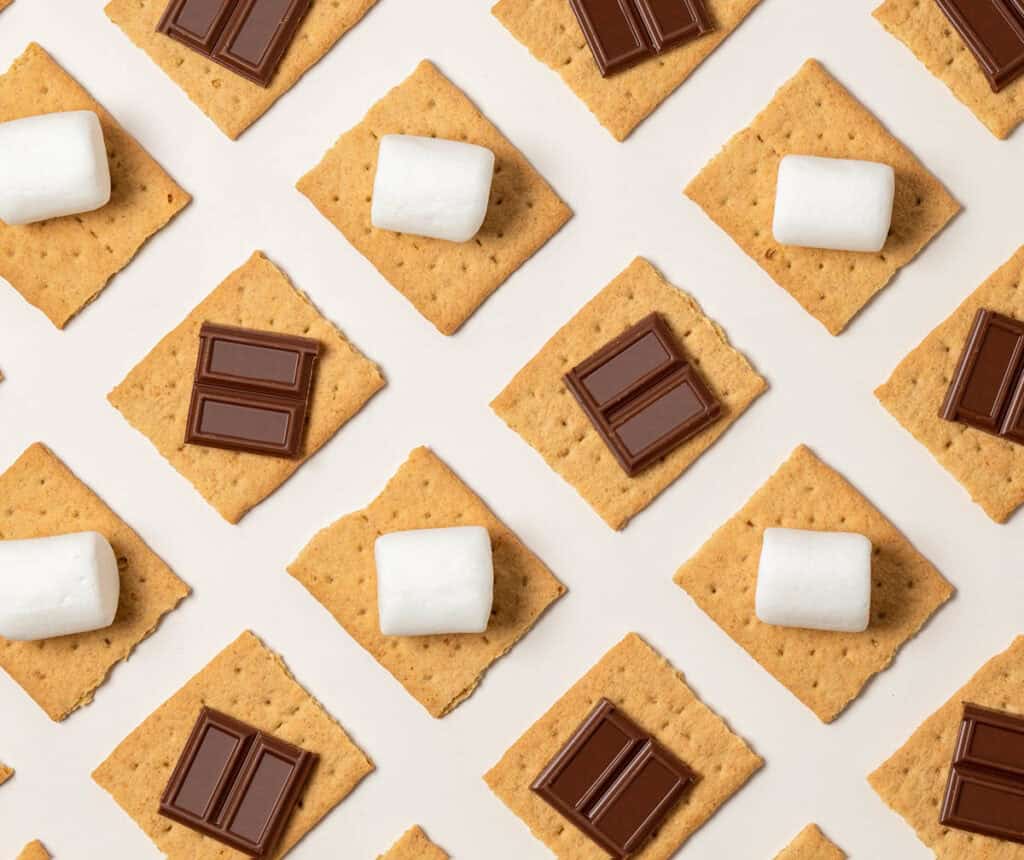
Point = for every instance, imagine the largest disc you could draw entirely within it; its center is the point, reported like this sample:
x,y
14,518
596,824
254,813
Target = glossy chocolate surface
x,y
614,781
642,396
994,31
249,37
251,390
621,33
236,784
985,790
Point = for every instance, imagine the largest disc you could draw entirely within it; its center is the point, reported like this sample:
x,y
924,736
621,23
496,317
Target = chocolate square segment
x,y
614,781
988,385
642,396
985,790
236,784
994,31
251,390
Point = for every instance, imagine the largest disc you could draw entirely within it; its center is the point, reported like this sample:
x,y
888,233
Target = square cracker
x,y
250,682
923,28
414,845
913,781
445,281
538,406
813,114
337,568
4,4
655,696
990,469
231,101
811,844
825,670
549,29
61,265
34,851
39,497
5,773
155,395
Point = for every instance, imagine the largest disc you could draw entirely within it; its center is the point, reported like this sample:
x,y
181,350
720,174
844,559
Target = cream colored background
x,y
628,201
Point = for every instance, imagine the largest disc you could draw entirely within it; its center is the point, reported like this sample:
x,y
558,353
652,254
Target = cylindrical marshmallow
x,y
430,187
434,581
820,580
58,585
836,203
52,165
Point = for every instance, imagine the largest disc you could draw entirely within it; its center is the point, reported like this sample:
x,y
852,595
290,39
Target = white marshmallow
x,y
57,585
430,187
820,580
434,581
52,165
836,203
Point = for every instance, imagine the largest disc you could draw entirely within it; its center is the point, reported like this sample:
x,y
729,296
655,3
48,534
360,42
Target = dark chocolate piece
x,y
249,37
236,784
642,396
987,390
614,781
985,790
621,33
994,31
251,390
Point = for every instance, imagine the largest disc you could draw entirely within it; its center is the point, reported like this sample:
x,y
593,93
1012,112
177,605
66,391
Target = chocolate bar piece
x,y
994,31
642,396
251,390
987,391
235,783
985,790
249,37
614,781
621,33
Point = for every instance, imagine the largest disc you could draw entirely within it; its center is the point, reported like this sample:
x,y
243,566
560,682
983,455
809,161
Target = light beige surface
x,y
445,281
414,845
337,567
923,28
823,669
40,497
34,851
913,781
811,844
549,29
654,695
539,407
155,395
5,773
62,264
813,114
989,468
230,100
250,682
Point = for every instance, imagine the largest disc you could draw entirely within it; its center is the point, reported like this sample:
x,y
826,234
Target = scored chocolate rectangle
x,y
642,396
994,31
235,783
613,781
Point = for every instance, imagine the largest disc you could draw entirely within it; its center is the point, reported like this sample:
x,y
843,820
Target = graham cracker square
x,y
445,281
549,29
913,781
5,773
231,101
414,845
654,695
155,395
825,670
811,844
34,851
61,265
40,497
250,682
989,468
813,114
538,406
337,567
4,4
923,28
